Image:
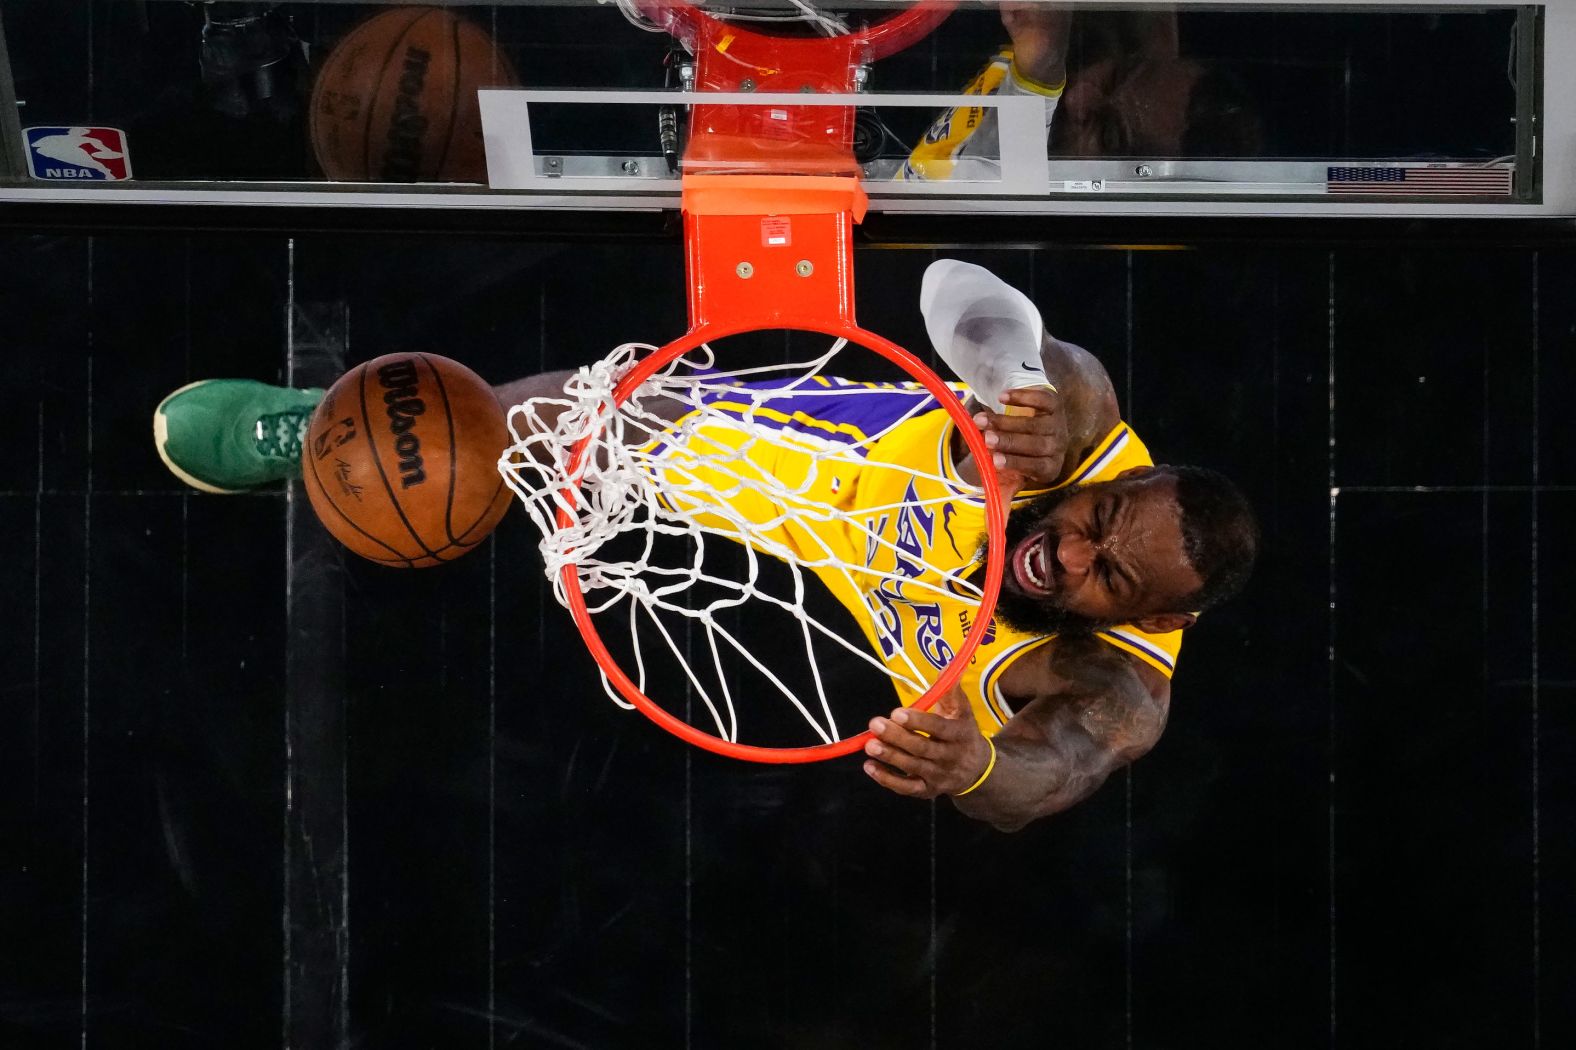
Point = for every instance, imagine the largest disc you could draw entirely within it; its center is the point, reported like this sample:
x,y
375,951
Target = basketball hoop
x,y
771,196
602,481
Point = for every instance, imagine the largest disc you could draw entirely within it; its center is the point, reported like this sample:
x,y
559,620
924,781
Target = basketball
x,y
401,460
396,99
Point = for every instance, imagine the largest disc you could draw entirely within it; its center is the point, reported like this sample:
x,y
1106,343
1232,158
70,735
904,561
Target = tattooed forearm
x,y
1059,749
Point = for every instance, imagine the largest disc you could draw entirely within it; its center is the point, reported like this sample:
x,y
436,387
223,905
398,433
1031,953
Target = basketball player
x,y
1109,557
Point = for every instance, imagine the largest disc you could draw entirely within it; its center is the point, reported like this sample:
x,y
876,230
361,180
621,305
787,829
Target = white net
x,y
687,461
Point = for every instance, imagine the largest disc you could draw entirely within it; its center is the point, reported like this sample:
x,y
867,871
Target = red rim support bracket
x,y
771,251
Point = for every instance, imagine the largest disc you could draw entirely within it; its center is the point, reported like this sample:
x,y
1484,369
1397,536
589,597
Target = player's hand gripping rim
x,y
924,754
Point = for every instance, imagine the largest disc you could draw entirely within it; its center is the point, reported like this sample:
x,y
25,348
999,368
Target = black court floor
x,y
258,794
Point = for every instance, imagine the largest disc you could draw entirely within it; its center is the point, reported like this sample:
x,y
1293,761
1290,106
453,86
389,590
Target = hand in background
x,y
1039,35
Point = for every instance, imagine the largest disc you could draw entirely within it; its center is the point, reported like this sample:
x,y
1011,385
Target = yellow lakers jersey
x,y
894,529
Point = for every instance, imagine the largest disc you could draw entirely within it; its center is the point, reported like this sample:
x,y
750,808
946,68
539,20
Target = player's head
x,y
1156,106
1152,547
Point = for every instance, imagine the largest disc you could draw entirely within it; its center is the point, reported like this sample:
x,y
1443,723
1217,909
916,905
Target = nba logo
x,y
77,154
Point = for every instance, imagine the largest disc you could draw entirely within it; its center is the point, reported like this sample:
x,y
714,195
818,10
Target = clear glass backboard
x,y
1019,107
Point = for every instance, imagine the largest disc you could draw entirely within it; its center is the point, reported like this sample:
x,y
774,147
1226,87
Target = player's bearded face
x,y
1035,614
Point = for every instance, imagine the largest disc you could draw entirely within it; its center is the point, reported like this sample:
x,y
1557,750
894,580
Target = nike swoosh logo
x,y
947,511
1033,368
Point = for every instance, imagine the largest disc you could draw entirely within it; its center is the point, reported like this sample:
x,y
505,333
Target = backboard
x,y
1263,107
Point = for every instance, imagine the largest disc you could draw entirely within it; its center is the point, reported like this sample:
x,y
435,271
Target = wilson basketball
x,y
396,99
401,460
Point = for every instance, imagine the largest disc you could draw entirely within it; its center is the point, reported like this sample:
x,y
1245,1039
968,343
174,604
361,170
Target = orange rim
x,y
995,522
896,33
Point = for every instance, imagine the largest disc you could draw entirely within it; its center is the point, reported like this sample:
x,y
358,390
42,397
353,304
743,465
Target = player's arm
x,y
1040,33
1097,710
550,385
543,384
1104,711
964,142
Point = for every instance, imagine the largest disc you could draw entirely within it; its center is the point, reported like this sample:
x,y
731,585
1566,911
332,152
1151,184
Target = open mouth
x,y
1031,565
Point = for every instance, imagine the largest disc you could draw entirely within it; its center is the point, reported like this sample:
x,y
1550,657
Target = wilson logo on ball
x,y
404,405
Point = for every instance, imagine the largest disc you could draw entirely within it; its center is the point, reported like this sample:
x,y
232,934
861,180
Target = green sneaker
x,y
230,435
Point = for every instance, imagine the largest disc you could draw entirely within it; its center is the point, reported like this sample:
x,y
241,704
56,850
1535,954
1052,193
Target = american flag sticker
x,y
1422,181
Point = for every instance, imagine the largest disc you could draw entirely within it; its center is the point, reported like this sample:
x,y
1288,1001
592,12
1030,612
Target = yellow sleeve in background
x,y
962,142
